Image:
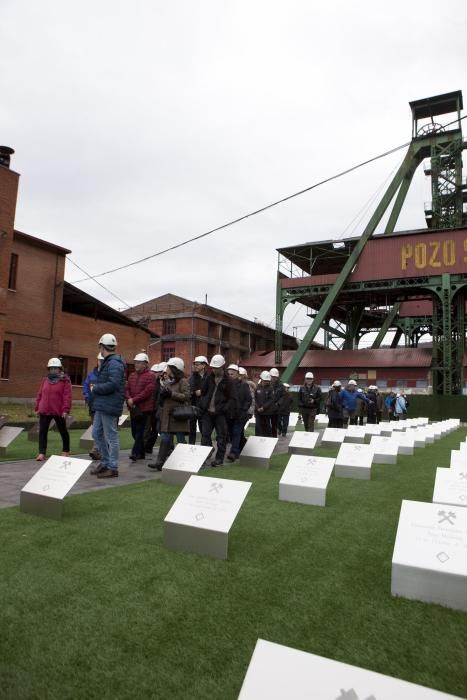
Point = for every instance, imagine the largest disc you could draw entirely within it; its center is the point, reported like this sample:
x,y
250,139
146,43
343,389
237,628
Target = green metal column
x,y
386,325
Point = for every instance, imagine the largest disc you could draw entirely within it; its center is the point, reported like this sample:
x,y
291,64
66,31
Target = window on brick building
x,y
167,351
6,359
169,326
76,368
13,272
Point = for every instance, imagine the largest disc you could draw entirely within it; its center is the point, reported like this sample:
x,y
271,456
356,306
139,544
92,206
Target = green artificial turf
x,y
95,607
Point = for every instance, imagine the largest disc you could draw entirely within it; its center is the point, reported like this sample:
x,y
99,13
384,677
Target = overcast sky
x,y
140,124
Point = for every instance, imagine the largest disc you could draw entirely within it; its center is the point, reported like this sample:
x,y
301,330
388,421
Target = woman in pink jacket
x,y
53,400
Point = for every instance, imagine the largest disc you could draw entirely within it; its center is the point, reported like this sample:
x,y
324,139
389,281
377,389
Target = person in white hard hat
x,y
278,391
264,405
285,406
198,379
53,402
400,407
219,402
139,395
349,402
236,424
251,410
87,395
108,396
334,406
175,393
151,432
309,401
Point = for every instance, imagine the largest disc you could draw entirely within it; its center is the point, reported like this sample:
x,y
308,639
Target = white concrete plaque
x,y
201,517
418,438
385,448
372,429
429,562
458,459
354,461
7,434
278,672
45,491
321,420
303,443
355,433
305,480
86,442
184,461
451,487
122,419
333,437
257,452
406,443
293,419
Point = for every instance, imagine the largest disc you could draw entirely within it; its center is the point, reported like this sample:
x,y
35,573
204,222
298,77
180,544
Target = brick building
x,y
188,328
41,315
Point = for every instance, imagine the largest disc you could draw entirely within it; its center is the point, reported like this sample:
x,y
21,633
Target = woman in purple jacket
x,y
53,401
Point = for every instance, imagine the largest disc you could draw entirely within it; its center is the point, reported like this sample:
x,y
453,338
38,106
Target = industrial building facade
x,y
187,329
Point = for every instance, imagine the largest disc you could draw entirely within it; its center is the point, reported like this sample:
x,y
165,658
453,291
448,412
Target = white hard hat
x,y
309,375
265,376
274,372
100,356
162,366
200,359
397,396
234,367
141,357
242,371
176,362
351,382
108,340
287,386
217,361
155,368
54,362
360,391
337,383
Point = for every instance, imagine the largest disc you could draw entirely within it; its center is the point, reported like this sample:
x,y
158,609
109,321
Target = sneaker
x,y
231,457
216,462
154,466
108,474
98,469
133,458
95,455
40,457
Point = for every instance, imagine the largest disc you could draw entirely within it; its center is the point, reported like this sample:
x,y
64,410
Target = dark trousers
x,y
217,422
151,431
263,425
44,423
237,436
194,423
336,422
308,416
283,423
138,424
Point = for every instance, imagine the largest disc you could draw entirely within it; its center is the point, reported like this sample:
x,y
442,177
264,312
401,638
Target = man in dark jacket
x,y
198,380
309,399
108,394
218,402
264,405
237,424
334,406
139,395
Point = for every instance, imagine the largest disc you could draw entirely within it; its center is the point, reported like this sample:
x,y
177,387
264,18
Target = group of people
x,y
216,399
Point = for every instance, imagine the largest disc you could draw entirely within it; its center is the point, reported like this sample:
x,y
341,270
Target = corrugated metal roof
x,y
385,357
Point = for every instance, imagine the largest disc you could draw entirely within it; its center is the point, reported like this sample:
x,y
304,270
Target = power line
x,y
246,216
261,209
100,285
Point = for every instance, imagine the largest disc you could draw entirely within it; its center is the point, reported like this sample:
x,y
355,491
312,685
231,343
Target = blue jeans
x,y
105,435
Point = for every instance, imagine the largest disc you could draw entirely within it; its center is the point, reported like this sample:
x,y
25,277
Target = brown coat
x,y
181,395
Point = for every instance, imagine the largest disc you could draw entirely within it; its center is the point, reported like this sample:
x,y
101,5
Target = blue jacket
x,y
349,399
90,379
109,389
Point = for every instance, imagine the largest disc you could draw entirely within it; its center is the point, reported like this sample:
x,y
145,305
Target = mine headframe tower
x,y
360,285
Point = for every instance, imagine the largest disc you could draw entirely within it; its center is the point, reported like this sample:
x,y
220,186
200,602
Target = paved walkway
x,y
14,475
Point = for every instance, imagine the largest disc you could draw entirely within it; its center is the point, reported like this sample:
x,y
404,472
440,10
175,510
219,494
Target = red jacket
x,y
54,399
140,388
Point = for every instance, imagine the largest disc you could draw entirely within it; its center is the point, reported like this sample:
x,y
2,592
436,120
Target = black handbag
x,y
185,412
